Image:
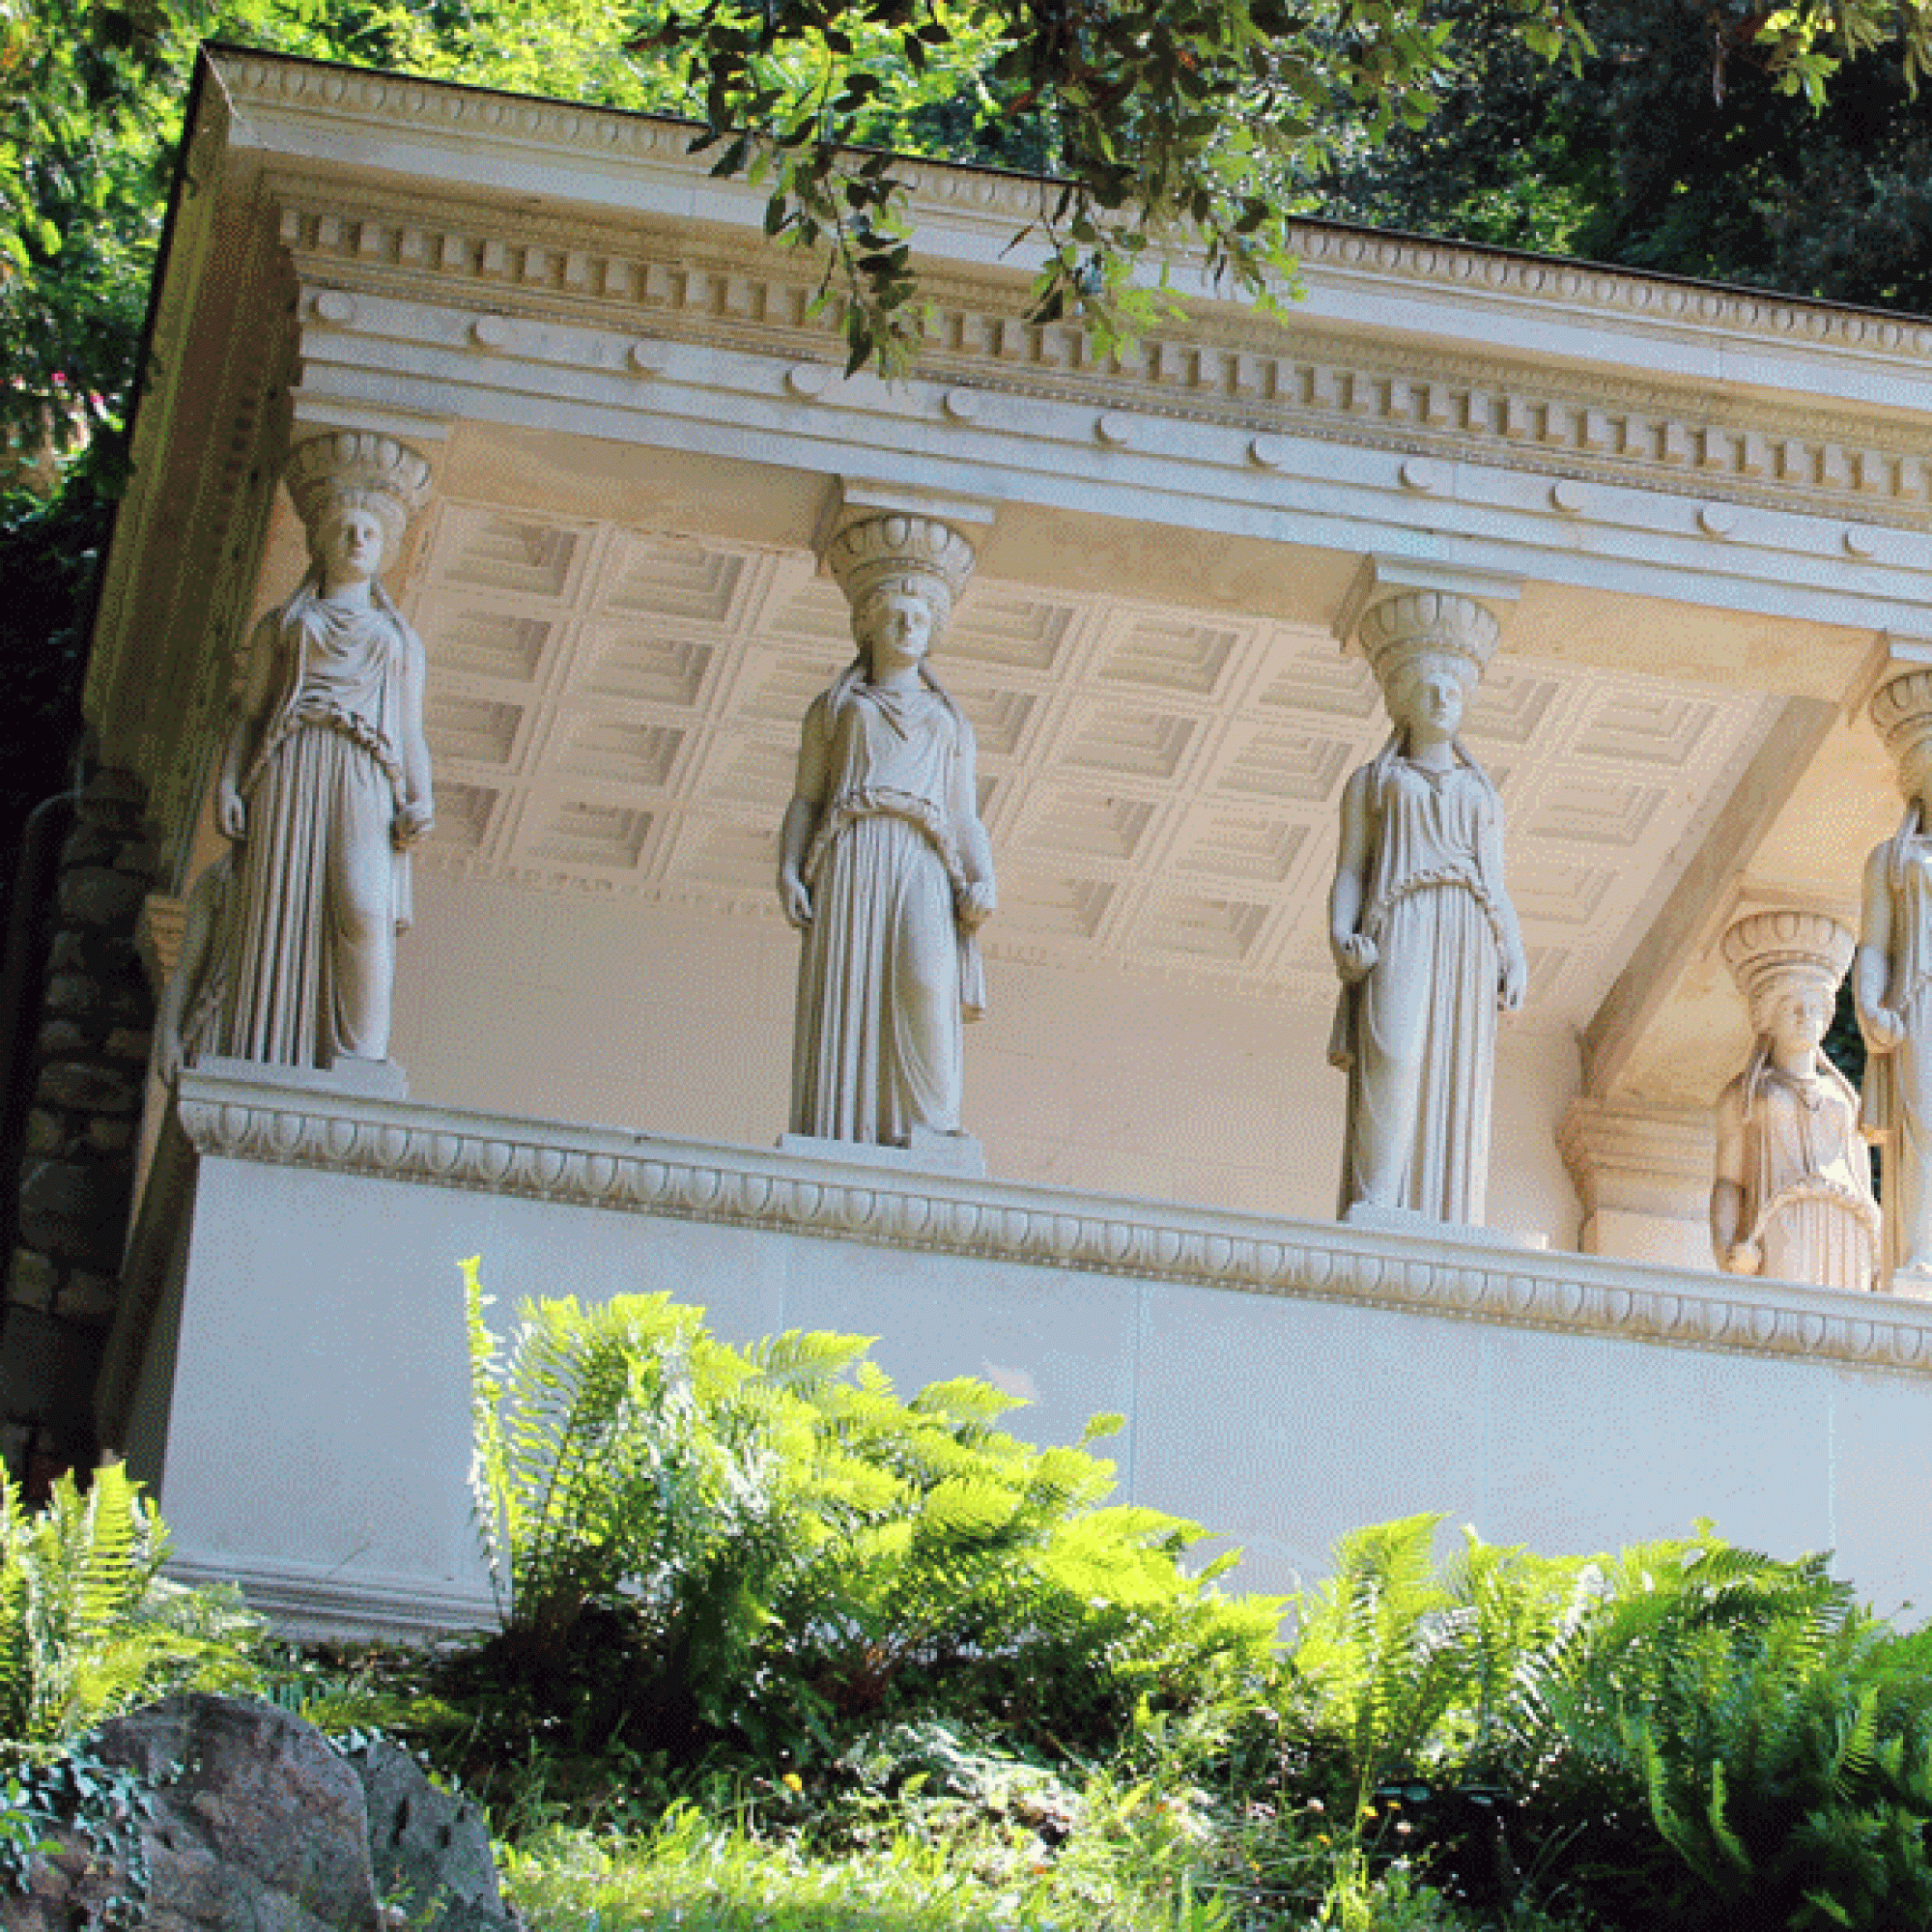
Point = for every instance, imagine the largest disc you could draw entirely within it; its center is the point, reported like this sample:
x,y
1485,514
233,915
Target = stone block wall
x,y
82,1066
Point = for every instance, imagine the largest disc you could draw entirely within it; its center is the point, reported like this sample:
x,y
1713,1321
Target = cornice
x,y
295,1126
663,286
398,101
1542,280
210,416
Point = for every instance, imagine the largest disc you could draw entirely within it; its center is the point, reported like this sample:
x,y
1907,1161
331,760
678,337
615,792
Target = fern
x,y
1697,1734
87,1625
741,1525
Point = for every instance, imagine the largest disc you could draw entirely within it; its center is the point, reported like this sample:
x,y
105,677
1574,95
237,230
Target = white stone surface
x,y
617,710
884,867
1793,1193
1103,1079
1284,1380
322,789
1893,981
594,338
1713,501
1423,934
924,1152
1642,1172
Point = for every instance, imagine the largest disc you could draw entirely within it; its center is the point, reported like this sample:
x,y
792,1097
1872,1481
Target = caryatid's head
x,y
901,574
355,492
1787,963
1427,649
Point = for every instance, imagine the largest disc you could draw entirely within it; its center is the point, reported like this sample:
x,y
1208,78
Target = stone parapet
x,y
300,1393
262,1121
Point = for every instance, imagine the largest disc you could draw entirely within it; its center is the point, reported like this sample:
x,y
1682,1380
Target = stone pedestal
x,y
366,1079
926,1152
1643,1174
1407,1221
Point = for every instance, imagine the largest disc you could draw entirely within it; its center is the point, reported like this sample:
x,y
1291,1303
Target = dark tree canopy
x,y
1652,154
1172,128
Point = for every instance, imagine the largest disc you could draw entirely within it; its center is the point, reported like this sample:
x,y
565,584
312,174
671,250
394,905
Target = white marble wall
x,y
1283,1381
678,1021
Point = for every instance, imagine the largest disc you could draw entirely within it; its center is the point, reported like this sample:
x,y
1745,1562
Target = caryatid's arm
x,y
802,814
1354,951
415,809
1736,1253
1871,971
1515,963
977,896
265,663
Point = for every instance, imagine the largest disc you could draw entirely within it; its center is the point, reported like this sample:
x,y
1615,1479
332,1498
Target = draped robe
x,y
886,972
1897,1092
1807,1196
320,889
1417,1033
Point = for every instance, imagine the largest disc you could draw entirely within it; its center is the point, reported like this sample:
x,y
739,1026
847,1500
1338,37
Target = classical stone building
x,y
1699,517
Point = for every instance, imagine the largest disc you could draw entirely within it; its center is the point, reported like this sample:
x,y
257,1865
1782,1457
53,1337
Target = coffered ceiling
x,y
616,710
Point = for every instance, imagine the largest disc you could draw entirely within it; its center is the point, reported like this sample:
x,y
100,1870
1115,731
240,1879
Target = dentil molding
x,y
399,103
282,1124
1446,402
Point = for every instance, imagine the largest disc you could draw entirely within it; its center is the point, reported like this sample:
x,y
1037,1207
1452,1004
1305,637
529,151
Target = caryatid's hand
x,y
1356,957
1883,1028
1515,974
795,900
230,814
973,902
412,824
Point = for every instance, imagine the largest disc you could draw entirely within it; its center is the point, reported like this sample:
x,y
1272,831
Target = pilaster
x,y
1643,1174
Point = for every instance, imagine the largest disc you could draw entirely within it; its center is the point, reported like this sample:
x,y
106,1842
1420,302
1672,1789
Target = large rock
x,y
431,1850
254,1823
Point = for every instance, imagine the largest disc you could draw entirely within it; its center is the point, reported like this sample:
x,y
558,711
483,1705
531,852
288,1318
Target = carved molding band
x,y
1474,406
632,1173
611,134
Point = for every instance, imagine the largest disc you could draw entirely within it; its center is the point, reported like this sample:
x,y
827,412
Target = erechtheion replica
x,y
507,555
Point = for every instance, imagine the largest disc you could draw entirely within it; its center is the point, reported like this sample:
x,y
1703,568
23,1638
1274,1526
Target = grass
x,y
1130,1861
707,1878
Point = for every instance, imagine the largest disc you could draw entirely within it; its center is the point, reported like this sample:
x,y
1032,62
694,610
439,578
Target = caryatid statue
x,y
325,783
1424,937
1793,1194
1893,980
884,865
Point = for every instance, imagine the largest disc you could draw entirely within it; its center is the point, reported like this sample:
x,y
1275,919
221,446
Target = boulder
x,y
251,1821
431,1849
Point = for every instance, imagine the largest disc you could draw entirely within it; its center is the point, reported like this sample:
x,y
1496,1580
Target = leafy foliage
x,y
1688,1734
1167,129
87,1625
771,1546
1678,143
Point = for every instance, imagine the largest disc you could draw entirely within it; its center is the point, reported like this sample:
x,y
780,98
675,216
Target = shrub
x,y
1687,1734
771,1546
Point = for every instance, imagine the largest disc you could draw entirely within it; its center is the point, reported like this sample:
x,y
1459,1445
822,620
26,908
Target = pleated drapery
x,y
1418,1034
886,976
320,889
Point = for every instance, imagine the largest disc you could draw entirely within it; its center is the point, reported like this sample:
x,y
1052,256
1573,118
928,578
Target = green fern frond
x,y
965,1399
807,1360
